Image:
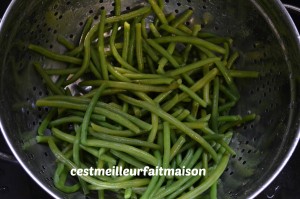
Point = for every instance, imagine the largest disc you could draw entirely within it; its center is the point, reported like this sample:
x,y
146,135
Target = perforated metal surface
x,y
260,32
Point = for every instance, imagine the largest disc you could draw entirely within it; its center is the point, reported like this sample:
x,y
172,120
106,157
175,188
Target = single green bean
x,y
129,159
158,11
154,30
54,56
130,86
126,40
139,46
175,148
102,129
86,28
51,85
215,105
59,71
191,40
43,126
124,140
66,43
89,111
193,95
100,45
192,66
167,145
182,18
243,74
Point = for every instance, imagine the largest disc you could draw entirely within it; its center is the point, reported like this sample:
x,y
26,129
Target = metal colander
x,y
262,32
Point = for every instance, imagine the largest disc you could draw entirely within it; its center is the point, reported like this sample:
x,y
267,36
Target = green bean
x,y
63,41
47,79
99,184
182,18
195,158
229,118
53,55
65,71
213,191
192,66
154,30
101,194
167,143
172,121
215,105
94,70
43,126
86,59
173,187
187,158
209,180
85,30
227,78
101,106
70,119
116,74
138,153
130,86
191,40
153,132
164,52
193,95
185,29
109,114
150,51
58,183
178,158
191,181
143,76
158,11
163,61
115,51
131,44
232,59
76,158
139,46
100,45
200,83
89,111
244,119
154,179
121,133
144,28
173,30
129,159
183,115
175,148
243,74
188,48
124,140
129,15
126,40
75,52
154,81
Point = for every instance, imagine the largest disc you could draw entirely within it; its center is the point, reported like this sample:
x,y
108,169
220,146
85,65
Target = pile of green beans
x,y
137,92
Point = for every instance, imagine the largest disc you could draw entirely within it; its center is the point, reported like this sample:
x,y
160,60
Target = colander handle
x,y
292,8
7,157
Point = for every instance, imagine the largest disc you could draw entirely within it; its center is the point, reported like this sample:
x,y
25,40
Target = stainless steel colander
x,y
262,31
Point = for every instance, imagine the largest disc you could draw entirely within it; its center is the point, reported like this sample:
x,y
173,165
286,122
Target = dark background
x,y
15,183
